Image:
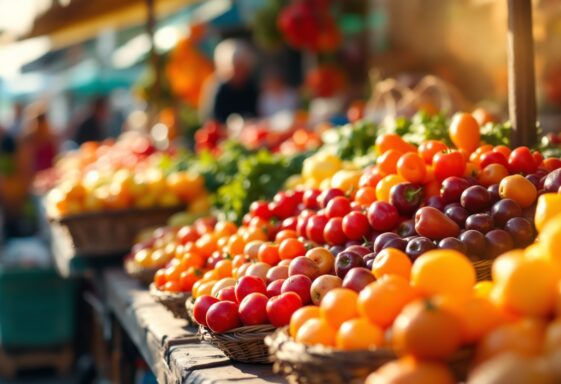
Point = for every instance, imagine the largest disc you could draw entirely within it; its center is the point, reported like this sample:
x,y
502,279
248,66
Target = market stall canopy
x,y
81,19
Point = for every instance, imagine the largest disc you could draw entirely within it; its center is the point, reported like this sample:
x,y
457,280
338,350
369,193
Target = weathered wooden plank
x,y
171,349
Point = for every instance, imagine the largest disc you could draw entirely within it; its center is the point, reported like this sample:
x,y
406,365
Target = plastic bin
x,y
37,308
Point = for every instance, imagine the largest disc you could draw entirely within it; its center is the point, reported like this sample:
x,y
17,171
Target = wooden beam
x,y
521,75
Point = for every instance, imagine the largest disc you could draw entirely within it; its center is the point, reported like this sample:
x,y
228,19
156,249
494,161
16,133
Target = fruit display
x,y
376,249
123,174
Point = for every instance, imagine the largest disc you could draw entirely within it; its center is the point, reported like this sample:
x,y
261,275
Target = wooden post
x,y
521,76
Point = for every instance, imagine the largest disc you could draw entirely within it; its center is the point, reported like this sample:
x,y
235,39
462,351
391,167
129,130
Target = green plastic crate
x,y
37,308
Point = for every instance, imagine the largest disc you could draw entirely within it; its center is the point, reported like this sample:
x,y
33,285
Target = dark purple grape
x,y
534,178
381,240
494,193
521,230
475,242
406,228
458,214
369,260
417,246
336,249
475,199
453,243
504,210
350,243
436,202
397,243
452,188
498,242
452,205
481,222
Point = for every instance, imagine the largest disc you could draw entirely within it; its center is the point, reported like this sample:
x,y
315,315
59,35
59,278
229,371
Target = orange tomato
x,y
443,271
384,186
268,253
482,116
519,189
316,332
365,196
357,334
338,306
204,289
291,248
225,228
475,157
387,162
191,259
254,233
160,278
380,302
471,170
206,244
172,286
173,272
285,234
492,174
391,261
223,268
211,274
464,132
302,315
189,277
411,167
392,141
426,331
235,245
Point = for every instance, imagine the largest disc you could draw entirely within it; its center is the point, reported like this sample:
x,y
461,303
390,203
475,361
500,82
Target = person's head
x,y
36,117
100,108
233,59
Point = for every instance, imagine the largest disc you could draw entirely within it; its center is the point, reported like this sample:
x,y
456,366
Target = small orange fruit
x,y
316,331
338,306
443,271
391,261
301,316
358,334
407,370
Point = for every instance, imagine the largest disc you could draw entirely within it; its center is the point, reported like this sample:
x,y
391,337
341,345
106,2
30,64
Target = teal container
x,y
37,308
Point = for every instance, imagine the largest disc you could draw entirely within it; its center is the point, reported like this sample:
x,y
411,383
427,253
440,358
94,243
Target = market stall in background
x,y
304,191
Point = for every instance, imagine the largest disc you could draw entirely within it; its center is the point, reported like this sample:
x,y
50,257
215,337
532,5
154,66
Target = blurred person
x,y
38,141
92,128
276,96
232,89
15,176
17,122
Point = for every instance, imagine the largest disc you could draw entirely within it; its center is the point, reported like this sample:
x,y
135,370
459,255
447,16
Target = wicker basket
x,y
144,275
244,344
321,365
174,302
189,307
109,232
483,269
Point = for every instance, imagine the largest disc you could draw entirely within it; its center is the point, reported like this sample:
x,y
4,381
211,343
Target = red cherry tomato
x,y
223,316
280,308
202,304
247,285
448,164
333,232
355,225
253,309
521,160
492,158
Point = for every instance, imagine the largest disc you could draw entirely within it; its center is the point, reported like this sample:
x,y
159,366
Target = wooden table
x,y
171,349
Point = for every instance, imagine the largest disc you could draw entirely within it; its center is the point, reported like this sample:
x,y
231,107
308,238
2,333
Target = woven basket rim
x,y
168,296
244,330
113,213
281,339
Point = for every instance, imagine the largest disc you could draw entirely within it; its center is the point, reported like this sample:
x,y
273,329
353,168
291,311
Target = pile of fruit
x,y
355,257
123,174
